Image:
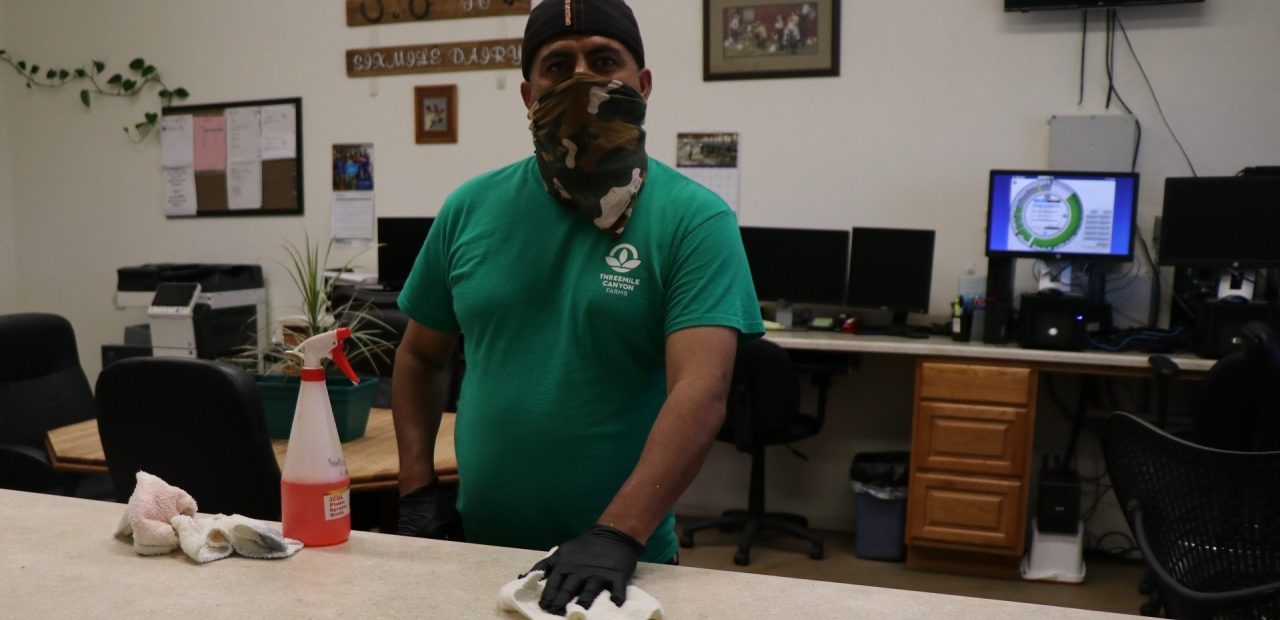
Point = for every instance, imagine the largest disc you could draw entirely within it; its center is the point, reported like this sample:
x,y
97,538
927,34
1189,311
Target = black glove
x,y
431,512
602,558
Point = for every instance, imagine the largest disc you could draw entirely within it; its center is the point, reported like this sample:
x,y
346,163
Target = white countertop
x,y
939,346
59,560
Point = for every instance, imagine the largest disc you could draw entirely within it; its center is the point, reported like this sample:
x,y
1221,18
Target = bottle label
x,y
337,503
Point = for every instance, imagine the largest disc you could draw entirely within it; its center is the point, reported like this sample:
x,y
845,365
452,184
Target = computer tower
x,y
997,316
1058,501
1053,322
1218,325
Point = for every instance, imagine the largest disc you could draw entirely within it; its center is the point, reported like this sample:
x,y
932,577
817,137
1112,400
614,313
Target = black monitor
x,y
891,269
399,241
797,265
1220,222
1059,215
1011,6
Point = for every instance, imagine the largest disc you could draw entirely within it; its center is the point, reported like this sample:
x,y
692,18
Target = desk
x,y
971,439
372,460
1100,362
60,561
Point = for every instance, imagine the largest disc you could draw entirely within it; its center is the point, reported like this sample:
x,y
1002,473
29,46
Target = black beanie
x,y
553,19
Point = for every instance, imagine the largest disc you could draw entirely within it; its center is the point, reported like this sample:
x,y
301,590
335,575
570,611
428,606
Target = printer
x,y
193,310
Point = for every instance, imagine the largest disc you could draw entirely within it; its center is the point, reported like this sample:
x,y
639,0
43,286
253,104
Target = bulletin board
x,y
233,159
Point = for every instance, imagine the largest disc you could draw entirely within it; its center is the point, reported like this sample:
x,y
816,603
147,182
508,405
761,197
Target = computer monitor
x,y
1220,222
796,264
1063,216
891,269
400,239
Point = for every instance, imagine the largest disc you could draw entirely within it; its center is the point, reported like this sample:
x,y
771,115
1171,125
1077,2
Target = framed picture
x,y
750,39
435,114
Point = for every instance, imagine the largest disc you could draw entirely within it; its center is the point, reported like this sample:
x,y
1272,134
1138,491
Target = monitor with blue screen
x,y
1065,216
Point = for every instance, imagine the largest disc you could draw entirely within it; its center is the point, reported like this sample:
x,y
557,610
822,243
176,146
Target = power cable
x,y
1159,109
1111,85
1084,38
1153,311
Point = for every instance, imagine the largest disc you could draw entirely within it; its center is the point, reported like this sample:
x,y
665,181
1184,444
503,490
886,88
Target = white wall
x,y
931,95
8,254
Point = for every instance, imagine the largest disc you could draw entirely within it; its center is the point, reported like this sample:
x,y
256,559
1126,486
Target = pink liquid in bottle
x,y
316,514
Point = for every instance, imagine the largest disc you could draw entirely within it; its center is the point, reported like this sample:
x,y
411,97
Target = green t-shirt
x,y
564,332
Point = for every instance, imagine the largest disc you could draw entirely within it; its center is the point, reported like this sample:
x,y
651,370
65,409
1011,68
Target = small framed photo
x,y
750,39
435,114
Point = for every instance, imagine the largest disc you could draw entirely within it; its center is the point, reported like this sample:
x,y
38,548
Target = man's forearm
x,y
678,444
417,402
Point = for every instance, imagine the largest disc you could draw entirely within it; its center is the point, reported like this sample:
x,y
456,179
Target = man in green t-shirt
x,y
602,296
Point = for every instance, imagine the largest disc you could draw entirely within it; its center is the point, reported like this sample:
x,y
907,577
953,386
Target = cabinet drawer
x,y
971,438
1009,385
967,511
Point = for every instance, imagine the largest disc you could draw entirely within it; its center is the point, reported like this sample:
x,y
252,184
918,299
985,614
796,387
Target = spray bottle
x,y
315,488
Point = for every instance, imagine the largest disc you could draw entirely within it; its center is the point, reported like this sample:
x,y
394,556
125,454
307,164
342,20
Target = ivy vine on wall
x,y
95,82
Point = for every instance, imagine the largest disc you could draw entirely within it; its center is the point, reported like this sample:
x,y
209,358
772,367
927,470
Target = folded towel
x,y
521,595
161,517
205,539
151,507
199,540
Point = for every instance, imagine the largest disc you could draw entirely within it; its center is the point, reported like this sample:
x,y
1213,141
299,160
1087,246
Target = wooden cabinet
x,y
970,466
965,510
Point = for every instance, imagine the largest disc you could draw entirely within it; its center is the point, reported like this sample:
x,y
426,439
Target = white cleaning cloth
x,y
521,595
205,539
146,519
161,517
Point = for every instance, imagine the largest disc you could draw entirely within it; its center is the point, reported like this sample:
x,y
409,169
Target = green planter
x,y
350,404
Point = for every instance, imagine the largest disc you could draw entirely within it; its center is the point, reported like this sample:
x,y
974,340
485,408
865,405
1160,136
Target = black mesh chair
x,y
1240,401
1206,520
197,424
764,410
42,387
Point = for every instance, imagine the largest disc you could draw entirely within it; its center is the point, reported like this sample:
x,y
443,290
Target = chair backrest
x,y
1211,517
41,383
765,391
197,424
395,323
1262,348
1240,396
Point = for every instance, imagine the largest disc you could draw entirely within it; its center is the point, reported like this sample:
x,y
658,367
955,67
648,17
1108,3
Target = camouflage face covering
x,y
590,147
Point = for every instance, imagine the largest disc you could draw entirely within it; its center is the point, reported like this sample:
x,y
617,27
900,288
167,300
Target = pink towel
x,y
151,507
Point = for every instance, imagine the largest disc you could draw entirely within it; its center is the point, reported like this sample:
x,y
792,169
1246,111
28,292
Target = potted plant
x,y
277,368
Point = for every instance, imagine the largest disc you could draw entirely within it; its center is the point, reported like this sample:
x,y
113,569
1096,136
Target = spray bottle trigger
x,y
339,355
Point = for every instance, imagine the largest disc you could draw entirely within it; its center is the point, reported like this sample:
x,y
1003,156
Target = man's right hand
x,y
431,512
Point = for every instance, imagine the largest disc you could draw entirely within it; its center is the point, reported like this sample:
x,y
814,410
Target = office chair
x,y
391,325
195,423
1205,519
764,410
387,324
42,387
1237,409
1240,402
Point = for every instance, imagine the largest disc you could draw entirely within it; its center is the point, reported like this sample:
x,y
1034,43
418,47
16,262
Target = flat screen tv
x,y
797,265
891,268
1062,215
1011,6
1220,221
399,241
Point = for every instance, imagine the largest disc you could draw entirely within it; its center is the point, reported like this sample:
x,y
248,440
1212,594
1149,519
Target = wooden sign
x,y
437,58
370,12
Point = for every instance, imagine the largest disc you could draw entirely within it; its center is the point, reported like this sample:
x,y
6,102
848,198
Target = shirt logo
x,y
623,258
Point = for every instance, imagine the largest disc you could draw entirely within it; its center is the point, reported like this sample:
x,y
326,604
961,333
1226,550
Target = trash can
x,y
879,481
